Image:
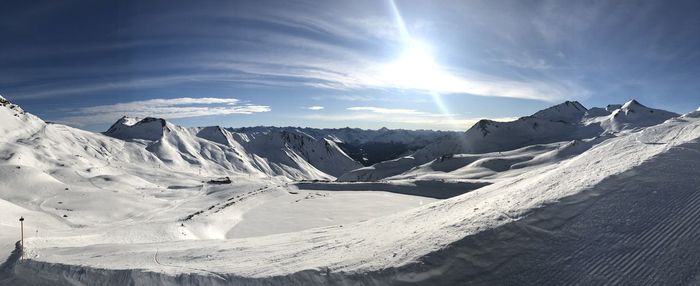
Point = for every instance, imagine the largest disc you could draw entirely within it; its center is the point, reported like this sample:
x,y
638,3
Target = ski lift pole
x,y
21,226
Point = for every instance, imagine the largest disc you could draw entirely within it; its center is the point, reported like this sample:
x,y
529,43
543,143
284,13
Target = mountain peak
x,y
633,114
482,126
6,103
632,104
213,133
613,107
149,128
569,111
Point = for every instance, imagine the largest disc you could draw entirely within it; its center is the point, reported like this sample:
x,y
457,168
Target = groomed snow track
x,y
640,227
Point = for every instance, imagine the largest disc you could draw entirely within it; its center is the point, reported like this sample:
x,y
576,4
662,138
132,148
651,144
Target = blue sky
x,y
368,64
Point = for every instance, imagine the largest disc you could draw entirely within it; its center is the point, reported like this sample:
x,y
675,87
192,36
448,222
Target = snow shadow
x,y
640,227
430,189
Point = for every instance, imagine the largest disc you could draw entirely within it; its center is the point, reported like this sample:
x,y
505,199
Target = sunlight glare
x,y
415,68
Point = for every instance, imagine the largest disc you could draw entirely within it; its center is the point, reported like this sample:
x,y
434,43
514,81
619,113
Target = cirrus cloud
x,y
315,107
171,108
384,110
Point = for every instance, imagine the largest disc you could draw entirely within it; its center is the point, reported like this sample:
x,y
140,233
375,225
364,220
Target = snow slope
x,y
16,122
563,122
322,154
363,145
273,154
633,115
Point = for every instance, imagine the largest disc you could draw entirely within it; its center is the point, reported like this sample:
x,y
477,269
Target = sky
x,y
368,64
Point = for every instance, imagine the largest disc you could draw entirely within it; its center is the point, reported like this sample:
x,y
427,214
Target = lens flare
x,y
415,68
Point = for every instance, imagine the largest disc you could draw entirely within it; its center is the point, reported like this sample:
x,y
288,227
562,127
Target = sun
x,y
415,59
415,68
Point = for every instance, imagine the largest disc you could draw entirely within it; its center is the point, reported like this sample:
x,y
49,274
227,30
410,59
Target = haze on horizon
x,y
369,64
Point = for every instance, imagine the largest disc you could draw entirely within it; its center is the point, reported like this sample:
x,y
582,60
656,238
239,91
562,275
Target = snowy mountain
x,y
632,115
363,145
412,138
563,122
273,154
289,147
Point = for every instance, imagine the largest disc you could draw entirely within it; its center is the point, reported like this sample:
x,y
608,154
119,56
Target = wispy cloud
x,y
403,118
184,107
382,110
327,46
315,107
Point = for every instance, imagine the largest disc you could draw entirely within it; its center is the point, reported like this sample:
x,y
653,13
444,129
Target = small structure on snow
x,y
220,181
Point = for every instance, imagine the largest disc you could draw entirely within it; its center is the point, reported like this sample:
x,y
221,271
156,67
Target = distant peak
x,y
631,104
567,111
568,106
149,128
6,103
482,126
575,104
153,119
613,107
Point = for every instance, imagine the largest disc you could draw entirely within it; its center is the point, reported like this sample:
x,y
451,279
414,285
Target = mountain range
x,y
597,194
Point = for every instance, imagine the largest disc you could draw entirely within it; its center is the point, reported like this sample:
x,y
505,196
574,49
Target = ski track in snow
x,y
218,275
635,228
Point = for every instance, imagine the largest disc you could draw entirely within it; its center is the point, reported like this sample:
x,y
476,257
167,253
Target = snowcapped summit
x,y
569,111
296,148
15,121
148,128
633,115
214,134
693,114
6,103
632,104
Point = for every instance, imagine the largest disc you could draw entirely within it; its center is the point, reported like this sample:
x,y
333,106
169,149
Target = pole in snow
x,y
21,226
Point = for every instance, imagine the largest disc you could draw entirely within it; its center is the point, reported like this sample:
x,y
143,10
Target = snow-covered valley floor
x,y
190,212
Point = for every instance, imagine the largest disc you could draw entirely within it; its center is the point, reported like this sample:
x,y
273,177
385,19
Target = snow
x,y
271,154
563,122
134,128
355,135
634,115
135,207
303,209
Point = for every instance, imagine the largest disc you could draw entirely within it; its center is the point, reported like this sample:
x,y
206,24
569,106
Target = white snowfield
x,y
615,208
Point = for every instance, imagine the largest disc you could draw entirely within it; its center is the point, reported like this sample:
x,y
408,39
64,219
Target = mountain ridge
x,y
562,122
